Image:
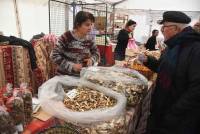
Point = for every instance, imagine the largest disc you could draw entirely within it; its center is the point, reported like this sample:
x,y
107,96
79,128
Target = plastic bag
x,y
122,80
7,124
53,88
7,91
27,99
132,44
51,95
15,107
138,78
114,126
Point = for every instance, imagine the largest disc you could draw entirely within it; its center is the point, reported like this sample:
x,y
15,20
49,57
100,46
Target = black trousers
x,y
120,55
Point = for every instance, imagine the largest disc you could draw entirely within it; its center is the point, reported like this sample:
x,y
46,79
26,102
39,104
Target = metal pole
x,y
113,25
17,19
105,35
74,10
67,7
49,6
151,20
78,3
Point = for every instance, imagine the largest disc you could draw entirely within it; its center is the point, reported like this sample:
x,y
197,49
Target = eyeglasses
x,y
168,26
162,28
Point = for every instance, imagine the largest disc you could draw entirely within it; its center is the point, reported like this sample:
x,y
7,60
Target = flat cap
x,y
175,16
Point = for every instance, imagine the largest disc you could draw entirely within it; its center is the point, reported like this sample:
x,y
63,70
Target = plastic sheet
x,y
119,79
7,123
51,95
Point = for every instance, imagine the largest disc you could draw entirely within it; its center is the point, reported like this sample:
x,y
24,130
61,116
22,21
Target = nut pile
x,y
87,99
133,92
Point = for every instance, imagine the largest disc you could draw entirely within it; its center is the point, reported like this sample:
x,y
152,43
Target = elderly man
x,y
175,102
197,27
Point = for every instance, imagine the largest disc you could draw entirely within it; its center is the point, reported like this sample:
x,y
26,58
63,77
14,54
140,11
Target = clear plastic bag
x,y
15,107
27,99
119,79
114,126
51,96
138,78
7,124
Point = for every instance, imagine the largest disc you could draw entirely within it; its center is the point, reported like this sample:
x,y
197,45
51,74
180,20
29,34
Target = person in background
x,y
197,27
93,33
1,33
73,49
122,40
152,41
175,102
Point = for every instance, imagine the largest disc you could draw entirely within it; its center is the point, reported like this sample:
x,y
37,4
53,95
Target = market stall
x,y
69,78
117,115
94,83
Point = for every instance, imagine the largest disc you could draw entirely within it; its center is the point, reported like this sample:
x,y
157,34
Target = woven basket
x,y
143,70
60,130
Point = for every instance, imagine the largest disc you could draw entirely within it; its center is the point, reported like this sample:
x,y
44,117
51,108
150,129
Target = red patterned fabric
x,y
15,107
42,51
1,98
37,126
2,74
38,77
8,65
21,65
15,66
18,102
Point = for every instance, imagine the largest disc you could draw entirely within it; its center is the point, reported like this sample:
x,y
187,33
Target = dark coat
x,y
122,42
151,43
175,107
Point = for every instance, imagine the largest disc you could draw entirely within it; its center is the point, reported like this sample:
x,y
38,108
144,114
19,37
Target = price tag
x,y
72,94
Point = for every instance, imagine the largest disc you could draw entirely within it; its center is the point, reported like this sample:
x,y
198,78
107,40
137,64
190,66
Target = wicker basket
x,y
143,70
60,130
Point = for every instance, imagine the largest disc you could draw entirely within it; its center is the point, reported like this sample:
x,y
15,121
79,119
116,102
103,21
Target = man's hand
x,y
142,58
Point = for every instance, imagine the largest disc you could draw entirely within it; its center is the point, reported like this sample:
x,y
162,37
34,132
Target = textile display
x,y
15,66
42,51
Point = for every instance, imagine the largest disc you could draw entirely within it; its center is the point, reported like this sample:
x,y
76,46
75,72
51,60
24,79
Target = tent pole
x,y
18,24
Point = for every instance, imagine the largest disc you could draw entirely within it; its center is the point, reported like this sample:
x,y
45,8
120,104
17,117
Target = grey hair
x,y
181,26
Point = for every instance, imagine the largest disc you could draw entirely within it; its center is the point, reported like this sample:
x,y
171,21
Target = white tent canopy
x,y
34,17
186,5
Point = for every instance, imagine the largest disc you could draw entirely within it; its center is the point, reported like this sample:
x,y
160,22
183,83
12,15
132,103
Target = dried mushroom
x,y
87,99
133,92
